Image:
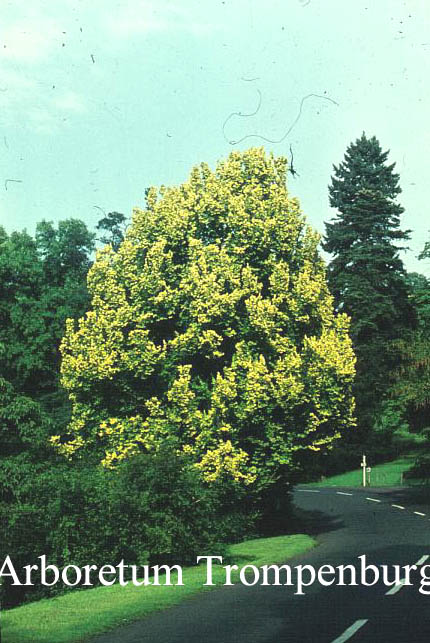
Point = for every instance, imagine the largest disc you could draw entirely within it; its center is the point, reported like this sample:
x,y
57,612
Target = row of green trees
x,y
207,351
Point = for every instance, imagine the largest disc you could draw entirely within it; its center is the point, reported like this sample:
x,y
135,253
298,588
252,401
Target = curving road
x,y
388,526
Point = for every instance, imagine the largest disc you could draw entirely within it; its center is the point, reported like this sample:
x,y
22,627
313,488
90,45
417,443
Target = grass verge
x,y
78,615
388,474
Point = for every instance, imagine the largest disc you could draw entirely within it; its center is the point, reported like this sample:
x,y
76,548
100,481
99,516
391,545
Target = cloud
x,y
70,101
22,43
36,54
51,53
26,100
136,17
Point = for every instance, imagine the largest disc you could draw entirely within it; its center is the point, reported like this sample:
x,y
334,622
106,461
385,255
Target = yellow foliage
x,y
212,327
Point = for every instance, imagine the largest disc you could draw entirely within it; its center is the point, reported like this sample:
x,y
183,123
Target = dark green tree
x,y
413,378
21,324
42,283
366,274
113,225
65,251
23,427
413,381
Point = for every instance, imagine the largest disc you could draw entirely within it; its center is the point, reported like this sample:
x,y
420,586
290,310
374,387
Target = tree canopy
x,y
113,224
211,328
413,377
42,283
366,274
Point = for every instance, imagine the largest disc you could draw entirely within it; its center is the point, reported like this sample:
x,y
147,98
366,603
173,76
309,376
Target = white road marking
x,y
419,513
398,506
309,490
373,500
352,629
396,588
343,493
422,560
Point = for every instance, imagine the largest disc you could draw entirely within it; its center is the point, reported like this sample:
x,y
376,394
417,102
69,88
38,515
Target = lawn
x,y
77,615
388,474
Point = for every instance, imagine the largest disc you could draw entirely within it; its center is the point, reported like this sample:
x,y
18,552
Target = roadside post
x,y
364,466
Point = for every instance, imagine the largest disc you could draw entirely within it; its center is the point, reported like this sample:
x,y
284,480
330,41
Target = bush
x,y
152,509
421,468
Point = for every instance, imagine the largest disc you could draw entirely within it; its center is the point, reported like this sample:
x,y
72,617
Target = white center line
x,y
352,629
309,490
419,513
373,500
396,588
422,560
398,506
343,493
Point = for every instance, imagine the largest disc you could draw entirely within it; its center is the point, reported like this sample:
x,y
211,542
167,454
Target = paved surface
x,y
387,526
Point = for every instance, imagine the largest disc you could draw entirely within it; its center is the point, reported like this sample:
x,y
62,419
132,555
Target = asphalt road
x,y
385,525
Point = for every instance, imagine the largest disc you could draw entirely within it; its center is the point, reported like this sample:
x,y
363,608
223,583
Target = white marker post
x,y
363,466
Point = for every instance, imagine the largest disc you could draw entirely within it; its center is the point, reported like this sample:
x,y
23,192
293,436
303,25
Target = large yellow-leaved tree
x,y
211,328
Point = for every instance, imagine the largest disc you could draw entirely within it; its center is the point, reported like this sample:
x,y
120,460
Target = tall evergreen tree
x,y
366,274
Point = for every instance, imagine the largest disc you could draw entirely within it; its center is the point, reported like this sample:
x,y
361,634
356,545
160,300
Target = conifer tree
x,y
366,274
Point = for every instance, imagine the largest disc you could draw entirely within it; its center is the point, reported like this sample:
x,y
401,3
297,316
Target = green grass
x,y
78,615
388,474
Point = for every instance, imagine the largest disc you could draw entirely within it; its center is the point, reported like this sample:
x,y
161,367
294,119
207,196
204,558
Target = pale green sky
x,y
100,98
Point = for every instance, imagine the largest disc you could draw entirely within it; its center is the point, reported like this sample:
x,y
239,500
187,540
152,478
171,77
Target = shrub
x,y
152,509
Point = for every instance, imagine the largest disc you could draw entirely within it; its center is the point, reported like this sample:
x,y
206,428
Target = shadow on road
x,y
314,522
